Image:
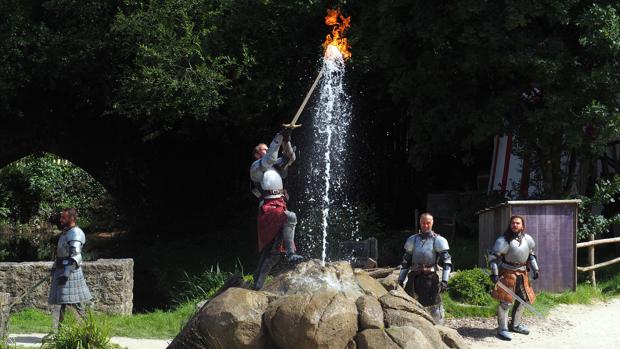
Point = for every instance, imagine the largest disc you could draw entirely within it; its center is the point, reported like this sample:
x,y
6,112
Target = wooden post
x,y
5,298
591,261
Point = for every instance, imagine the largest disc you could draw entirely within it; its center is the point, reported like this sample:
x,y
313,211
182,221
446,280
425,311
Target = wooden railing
x,y
592,267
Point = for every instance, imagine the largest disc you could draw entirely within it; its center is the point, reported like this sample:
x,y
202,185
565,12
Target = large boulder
x,y
369,285
452,338
401,318
234,319
324,320
370,313
408,337
397,301
374,339
231,320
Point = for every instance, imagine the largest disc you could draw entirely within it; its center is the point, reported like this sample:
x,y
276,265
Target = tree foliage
x,y
445,78
592,221
462,72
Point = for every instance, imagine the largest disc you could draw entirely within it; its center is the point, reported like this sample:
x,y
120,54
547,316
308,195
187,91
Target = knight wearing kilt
x,y
68,286
510,260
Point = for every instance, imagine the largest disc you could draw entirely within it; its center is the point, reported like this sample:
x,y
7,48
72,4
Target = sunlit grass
x,y
158,324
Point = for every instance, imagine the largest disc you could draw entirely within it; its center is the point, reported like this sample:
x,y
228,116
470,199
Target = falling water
x,y
326,186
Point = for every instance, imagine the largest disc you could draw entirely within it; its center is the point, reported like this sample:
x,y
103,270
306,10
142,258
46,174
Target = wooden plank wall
x,y
491,224
553,230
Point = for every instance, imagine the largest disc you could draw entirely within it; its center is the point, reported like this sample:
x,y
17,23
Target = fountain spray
x,y
325,181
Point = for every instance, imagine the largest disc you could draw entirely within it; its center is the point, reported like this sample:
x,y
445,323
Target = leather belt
x,y
515,264
273,192
423,268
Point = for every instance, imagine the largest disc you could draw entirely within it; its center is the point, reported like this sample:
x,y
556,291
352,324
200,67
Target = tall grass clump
x,y
195,288
87,334
4,343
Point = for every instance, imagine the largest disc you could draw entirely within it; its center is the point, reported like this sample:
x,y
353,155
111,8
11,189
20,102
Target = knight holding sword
x,y
510,260
276,224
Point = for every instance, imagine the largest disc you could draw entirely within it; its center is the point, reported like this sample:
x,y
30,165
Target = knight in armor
x,y
276,224
68,286
510,260
424,253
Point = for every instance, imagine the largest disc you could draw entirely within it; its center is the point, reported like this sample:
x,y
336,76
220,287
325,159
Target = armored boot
x,y
57,317
502,321
288,235
517,316
263,269
437,313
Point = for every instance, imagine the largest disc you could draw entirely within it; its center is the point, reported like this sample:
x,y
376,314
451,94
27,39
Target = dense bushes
x,y
471,286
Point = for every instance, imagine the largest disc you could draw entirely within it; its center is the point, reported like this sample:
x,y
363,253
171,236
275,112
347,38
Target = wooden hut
x,y
552,224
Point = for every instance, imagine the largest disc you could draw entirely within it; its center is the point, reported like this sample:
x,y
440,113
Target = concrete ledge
x,y
110,282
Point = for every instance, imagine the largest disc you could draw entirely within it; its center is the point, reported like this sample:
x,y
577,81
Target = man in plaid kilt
x,y
68,286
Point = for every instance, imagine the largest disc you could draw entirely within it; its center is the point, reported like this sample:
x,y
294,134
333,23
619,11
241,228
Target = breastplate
x,y
62,251
271,180
423,251
517,252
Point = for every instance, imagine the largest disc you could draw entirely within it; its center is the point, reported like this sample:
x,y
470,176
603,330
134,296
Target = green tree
x,y
165,64
458,70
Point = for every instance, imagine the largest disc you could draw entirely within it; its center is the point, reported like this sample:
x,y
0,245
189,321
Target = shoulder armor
x,y
501,246
256,174
530,241
76,234
441,244
409,244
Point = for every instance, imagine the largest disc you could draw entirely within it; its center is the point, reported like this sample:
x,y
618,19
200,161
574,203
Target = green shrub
x,y
88,334
605,192
471,286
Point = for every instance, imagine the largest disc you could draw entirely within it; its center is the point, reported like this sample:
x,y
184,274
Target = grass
x,y
156,325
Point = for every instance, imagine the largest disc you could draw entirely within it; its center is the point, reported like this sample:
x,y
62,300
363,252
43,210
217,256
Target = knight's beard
x,y
517,232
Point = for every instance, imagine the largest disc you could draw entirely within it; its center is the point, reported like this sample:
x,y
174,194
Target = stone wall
x,y
110,282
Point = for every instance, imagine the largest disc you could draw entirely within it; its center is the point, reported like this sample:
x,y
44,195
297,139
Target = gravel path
x,y
34,340
566,326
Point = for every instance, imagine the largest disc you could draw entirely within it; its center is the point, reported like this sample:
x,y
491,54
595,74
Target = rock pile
x,y
315,306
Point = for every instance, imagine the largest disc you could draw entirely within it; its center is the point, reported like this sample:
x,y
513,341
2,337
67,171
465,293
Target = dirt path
x,y
34,340
566,326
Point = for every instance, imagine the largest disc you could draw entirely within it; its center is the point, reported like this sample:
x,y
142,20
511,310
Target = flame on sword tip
x,y
335,44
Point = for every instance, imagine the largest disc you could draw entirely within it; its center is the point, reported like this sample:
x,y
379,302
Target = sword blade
x,y
303,104
519,299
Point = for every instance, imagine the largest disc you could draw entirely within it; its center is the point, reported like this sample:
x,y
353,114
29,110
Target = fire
x,y
339,24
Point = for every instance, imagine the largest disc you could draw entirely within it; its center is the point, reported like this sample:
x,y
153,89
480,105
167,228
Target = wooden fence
x,y
592,267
